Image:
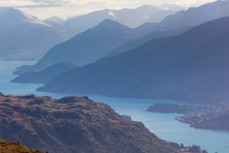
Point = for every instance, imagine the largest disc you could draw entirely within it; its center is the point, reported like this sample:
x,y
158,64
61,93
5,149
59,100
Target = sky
x,y
66,8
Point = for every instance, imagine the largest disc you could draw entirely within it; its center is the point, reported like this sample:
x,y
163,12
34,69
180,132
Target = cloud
x,y
64,8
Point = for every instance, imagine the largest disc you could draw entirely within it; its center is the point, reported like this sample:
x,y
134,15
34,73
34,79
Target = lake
x,y
163,125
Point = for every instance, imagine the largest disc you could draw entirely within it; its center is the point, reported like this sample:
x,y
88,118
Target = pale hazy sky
x,y
64,8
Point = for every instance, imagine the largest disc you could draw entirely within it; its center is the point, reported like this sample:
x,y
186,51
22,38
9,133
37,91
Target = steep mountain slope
x,y
196,15
24,37
79,52
35,73
89,46
189,67
140,41
129,17
45,75
75,124
9,147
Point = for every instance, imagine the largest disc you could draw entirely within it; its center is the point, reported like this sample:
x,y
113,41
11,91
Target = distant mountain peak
x,y
55,19
148,7
16,17
108,24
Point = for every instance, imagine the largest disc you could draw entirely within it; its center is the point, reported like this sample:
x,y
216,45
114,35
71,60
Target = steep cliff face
x,y
9,147
74,124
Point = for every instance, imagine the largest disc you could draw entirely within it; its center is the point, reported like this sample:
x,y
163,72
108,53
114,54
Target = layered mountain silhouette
x,y
190,67
86,47
45,75
107,39
195,15
75,124
172,25
129,17
91,45
24,37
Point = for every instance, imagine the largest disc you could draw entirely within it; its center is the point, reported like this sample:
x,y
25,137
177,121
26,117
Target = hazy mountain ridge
x,y
86,47
196,15
45,75
24,37
158,67
129,17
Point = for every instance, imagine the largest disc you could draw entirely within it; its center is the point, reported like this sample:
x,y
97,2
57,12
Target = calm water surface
x,y
163,125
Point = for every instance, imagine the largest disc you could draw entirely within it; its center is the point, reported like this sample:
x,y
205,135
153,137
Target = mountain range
x,y
190,67
139,67
142,34
45,75
195,15
24,37
128,17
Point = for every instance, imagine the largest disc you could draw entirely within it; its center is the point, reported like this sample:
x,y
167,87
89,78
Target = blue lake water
x,y
163,125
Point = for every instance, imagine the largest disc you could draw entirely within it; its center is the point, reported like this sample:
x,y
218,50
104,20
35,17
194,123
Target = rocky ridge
x,y
75,124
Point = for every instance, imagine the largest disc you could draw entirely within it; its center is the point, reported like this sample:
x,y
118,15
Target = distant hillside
x,y
24,37
45,75
190,67
128,17
195,15
75,125
9,147
86,47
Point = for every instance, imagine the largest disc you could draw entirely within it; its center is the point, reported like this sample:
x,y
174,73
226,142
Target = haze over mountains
x,y
24,37
129,17
188,67
85,53
196,15
91,45
145,66
35,37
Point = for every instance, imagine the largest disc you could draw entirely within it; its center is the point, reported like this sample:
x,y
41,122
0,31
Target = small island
x,y
215,117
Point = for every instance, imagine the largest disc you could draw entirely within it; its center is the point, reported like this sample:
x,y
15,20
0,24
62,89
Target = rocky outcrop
x,y
74,124
9,147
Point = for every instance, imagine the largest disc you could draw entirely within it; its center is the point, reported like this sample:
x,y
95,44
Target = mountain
x,y
191,67
140,41
45,75
137,37
24,37
196,15
129,17
75,124
86,47
9,147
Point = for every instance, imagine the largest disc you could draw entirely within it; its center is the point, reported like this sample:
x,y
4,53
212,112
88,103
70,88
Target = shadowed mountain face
x,y
45,75
24,37
9,147
74,124
190,67
87,47
107,39
196,16
90,45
